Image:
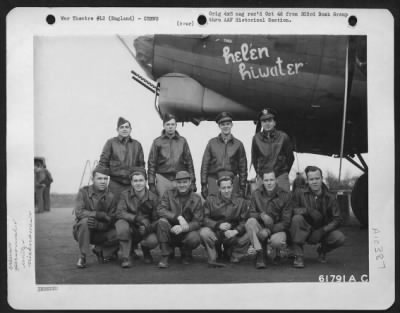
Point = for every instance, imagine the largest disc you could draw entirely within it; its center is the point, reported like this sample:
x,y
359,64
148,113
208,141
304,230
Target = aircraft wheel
x,y
359,199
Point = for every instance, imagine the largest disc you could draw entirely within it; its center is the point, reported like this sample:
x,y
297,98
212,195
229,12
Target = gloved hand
x,y
92,222
143,224
153,189
142,230
316,235
242,191
316,217
139,219
194,188
103,216
204,191
267,220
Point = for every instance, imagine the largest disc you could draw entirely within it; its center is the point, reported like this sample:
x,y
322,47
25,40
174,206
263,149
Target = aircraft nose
x,y
144,46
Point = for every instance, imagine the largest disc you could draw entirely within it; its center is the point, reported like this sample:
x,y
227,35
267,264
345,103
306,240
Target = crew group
x,y
119,212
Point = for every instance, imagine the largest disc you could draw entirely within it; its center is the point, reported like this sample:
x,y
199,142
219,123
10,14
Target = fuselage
x,y
302,77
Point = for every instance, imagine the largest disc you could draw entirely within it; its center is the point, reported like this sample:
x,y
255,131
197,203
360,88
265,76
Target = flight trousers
x,y
188,241
259,235
106,241
213,240
129,235
302,232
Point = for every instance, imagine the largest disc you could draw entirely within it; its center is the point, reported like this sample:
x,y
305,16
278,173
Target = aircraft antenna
x,y
344,109
126,46
83,174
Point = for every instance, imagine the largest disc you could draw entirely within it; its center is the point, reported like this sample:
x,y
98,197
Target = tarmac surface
x,y
57,253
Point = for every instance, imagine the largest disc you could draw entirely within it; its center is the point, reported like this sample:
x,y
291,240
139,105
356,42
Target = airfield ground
x,y
57,253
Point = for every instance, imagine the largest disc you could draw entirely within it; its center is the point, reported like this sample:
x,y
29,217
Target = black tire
x,y
359,199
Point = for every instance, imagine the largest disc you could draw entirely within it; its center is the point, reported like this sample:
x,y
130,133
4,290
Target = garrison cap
x,y
182,175
266,114
101,169
122,121
225,175
223,117
167,117
137,170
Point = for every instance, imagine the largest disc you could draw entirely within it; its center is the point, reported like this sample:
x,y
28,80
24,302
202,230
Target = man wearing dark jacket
x,y
316,218
95,215
270,216
40,186
120,154
46,193
181,216
225,215
168,155
272,148
137,218
223,152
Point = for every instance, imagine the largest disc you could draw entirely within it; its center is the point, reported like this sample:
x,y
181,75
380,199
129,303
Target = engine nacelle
x,y
188,100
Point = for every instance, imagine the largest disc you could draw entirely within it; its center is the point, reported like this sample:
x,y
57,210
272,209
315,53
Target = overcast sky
x,y
82,86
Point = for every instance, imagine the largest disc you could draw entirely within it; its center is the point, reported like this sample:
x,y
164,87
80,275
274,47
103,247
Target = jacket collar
x,y
325,190
233,198
132,194
230,137
164,135
274,193
124,139
92,191
272,134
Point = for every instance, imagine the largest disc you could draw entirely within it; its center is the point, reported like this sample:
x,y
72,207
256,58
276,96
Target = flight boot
x,y
81,262
260,259
147,257
126,263
321,255
298,261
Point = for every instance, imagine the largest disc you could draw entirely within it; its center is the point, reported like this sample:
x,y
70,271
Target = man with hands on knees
x,y
316,217
95,215
137,218
181,215
270,216
225,215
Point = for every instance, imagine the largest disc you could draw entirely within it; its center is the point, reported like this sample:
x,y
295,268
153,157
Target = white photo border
x,y
23,24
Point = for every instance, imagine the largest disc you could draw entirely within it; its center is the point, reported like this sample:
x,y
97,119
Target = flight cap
x,y
101,169
225,175
267,113
167,117
223,117
137,170
122,121
182,175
